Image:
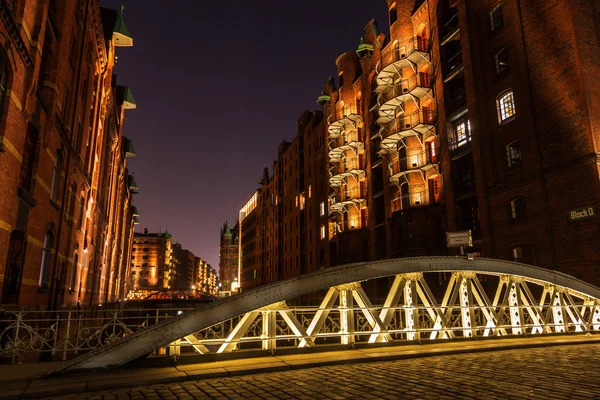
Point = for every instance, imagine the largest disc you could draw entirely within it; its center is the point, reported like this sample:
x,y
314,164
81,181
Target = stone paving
x,y
561,372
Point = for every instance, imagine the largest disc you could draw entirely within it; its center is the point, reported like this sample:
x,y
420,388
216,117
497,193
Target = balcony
x,y
337,227
338,126
454,67
410,200
416,86
418,162
415,51
338,147
343,198
451,30
340,172
418,123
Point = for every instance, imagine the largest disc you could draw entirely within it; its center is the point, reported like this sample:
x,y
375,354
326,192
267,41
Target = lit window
x,y
296,201
496,18
517,209
322,208
506,106
462,132
501,60
309,191
513,154
323,232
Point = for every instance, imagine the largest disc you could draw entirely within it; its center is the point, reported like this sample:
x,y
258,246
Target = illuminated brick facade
x,y
66,213
472,116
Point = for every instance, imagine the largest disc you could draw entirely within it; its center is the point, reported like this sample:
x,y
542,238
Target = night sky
x,y
218,85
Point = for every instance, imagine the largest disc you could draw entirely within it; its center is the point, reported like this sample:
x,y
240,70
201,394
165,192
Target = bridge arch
x,y
564,303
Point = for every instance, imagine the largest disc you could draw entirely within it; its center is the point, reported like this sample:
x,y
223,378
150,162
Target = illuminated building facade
x,y
66,212
153,265
206,278
229,258
457,120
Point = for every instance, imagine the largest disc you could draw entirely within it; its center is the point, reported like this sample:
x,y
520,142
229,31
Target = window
x,y
48,240
513,154
501,60
506,106
496,18
393,13
28,158
309,191
518,210
323,232
322,207
56,176
462,132
523,253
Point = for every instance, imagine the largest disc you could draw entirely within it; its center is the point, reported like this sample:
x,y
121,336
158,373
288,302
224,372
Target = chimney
x,y
145,231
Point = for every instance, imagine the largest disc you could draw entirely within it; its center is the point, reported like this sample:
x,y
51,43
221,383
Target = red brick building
x,y
66,213
475,116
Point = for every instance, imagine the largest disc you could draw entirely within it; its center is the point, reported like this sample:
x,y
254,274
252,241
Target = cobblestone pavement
x,y
563,372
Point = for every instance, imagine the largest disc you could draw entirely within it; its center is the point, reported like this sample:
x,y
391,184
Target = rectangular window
x,y
393,13
506,106
517,209
56,176
501,60
45,259
65,116
28,157
513,154
322,207
462,133
496,18
309,191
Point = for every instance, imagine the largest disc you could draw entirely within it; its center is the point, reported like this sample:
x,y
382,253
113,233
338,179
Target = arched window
x,y
506,106
56,177
48,241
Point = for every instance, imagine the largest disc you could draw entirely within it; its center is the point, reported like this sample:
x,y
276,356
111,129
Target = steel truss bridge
x,y
475,298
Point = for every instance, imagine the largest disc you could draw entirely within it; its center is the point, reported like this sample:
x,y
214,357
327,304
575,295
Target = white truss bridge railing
x,y
410,313
425,298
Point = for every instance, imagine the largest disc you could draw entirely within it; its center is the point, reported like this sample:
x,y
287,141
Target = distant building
x,y
184,268
251,243
206,280
229,258
152,262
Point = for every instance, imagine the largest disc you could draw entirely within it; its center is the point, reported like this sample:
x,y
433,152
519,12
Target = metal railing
x,y
409,122
468,309
410,200
347,166
405,50
411,161
335,228
60,335
347,195
406,86
450,26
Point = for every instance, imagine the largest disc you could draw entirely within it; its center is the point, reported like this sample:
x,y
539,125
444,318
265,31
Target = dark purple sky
x,y
218,85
